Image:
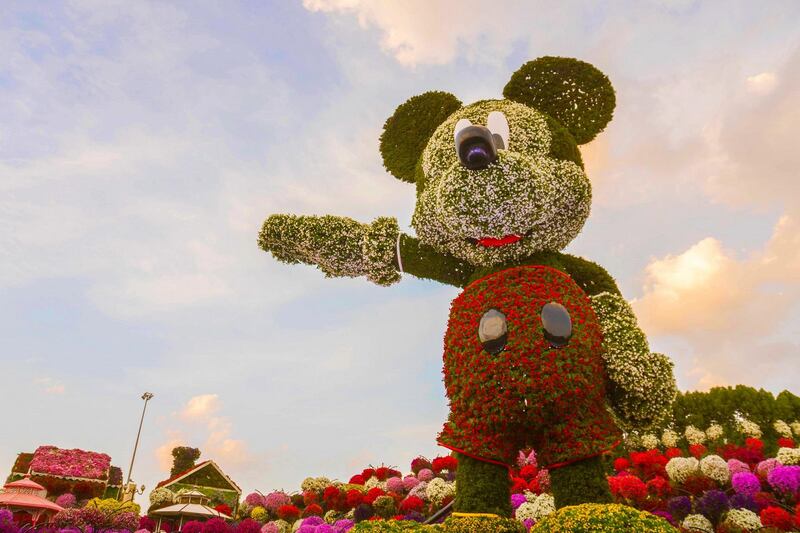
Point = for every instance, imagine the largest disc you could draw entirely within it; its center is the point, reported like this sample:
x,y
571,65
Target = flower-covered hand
x,y
641,383
339,246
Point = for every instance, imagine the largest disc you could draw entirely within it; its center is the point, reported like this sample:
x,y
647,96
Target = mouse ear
x,y
574,92
407,131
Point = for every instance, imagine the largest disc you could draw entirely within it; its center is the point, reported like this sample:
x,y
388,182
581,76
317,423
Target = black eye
x,y
493,331
557,324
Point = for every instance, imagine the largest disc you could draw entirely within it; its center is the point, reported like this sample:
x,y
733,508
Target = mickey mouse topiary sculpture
x,y
541,349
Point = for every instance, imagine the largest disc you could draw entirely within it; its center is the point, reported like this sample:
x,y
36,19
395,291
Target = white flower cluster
x,y
161,496
796,427
716,468
282,525
439,489
788,456
543,505
649,441
525,192
782,428
694,435
743,519
420,491
714,432
698,523
749,428
374,482
642,383
669,438
315,484
632,441
339,246
679,469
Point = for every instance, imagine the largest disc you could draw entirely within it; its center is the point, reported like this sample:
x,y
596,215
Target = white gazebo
x,y
192,504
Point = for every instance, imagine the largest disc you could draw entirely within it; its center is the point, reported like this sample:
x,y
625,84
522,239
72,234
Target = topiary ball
x,y
598,518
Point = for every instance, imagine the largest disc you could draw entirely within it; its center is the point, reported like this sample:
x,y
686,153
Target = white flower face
x,y
522,203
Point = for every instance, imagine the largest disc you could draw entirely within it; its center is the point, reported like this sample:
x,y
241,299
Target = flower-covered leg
x,y
580,482
482,487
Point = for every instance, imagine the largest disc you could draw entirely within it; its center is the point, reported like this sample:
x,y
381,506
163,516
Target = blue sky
x,y
142,144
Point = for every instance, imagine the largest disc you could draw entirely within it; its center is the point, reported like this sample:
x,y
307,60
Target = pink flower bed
x,y
70,463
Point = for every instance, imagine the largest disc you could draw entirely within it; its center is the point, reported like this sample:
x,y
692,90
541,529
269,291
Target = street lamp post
x,y
147,396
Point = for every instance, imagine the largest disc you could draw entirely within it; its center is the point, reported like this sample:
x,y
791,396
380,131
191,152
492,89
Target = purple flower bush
x,y
274,500
255,499
7,524
66,500
712,504
745,483
679,507
784,479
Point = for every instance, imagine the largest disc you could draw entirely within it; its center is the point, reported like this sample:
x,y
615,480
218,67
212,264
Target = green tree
x,y
184,458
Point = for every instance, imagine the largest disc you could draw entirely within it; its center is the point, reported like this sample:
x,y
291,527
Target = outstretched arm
x,y
339,246
422,261
343,247
641,383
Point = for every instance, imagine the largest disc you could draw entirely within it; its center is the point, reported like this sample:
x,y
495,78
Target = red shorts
x,y
530,393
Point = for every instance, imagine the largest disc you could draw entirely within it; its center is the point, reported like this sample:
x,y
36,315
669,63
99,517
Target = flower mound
x,y
70,463
597,518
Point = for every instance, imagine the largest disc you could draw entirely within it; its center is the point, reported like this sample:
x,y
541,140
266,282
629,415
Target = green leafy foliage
x,y
422,261
574,92
184,458
563,145
590,277
580,482
482,487
407,131
598,518
207,476
723,405
215,495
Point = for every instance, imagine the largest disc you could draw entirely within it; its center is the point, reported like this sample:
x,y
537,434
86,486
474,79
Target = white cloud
x,y
754,145
422,32
163,452
762,83
200,423
725,309
202,406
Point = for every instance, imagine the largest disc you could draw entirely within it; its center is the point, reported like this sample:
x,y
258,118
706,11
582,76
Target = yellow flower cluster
x,y
599,518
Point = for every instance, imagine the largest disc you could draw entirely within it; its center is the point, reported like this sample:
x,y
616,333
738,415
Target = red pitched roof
x,y
195,468
176,476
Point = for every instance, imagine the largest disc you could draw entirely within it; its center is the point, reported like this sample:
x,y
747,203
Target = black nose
x,y
475,147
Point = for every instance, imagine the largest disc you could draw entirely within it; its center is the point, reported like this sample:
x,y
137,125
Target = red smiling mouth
x,y
492,242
